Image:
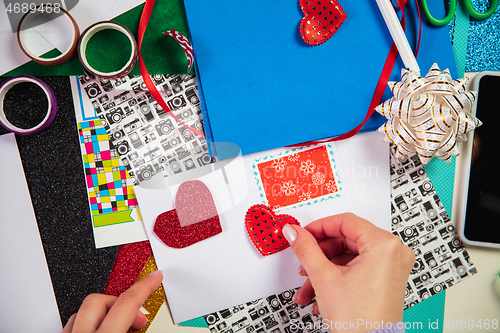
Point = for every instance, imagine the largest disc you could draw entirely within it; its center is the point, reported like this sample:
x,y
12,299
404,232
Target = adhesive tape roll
x,y
51,107
91,31
28,18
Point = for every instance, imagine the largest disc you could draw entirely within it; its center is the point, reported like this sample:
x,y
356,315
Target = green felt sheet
x,y
161,53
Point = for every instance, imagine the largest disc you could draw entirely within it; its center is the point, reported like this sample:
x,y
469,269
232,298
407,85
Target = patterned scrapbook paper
x,y
275,314
421,222
109,186
147,139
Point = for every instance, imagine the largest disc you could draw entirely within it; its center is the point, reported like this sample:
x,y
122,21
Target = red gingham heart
x,y
264,228
322,19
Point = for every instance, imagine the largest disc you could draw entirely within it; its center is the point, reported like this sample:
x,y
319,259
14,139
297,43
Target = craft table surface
x,y
474,298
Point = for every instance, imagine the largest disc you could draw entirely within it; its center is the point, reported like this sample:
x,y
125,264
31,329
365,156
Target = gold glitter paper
x,y
155,300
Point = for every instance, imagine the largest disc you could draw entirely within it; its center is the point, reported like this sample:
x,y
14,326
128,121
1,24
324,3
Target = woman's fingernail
x,y
155,273
294,297
314,308
302,272
289,233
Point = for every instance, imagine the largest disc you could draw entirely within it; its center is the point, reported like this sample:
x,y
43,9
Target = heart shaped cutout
x,y
264,227
322,19
194,218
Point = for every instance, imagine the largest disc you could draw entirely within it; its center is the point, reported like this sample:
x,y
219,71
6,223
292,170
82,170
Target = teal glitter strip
x,y
483,47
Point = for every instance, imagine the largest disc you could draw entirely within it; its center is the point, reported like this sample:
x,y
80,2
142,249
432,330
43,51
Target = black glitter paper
x,y
53,166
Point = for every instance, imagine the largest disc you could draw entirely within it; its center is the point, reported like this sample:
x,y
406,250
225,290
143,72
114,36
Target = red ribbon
x,y
146,14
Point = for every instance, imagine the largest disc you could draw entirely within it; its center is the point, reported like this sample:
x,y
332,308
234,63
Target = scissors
x,y
453,5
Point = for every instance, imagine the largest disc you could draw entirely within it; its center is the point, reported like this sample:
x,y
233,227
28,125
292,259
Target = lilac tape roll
x,y
51,108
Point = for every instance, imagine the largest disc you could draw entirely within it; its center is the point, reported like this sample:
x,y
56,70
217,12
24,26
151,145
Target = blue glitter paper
x,y
483,47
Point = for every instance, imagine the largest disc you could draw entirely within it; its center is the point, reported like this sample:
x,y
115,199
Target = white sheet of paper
x,y
365,159
226,270
27,301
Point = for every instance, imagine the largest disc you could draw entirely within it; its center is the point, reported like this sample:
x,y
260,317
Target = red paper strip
x,y
129,262
265,229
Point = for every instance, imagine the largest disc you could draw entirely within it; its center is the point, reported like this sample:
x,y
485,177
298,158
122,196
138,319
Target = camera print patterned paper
x,y
109,187
297,177
421,222
147,139
275,314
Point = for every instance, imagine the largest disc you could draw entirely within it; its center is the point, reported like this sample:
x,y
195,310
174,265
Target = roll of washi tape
x,y
51,107
24,24
91,31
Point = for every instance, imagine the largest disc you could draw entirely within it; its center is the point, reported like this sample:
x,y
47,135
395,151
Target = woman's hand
x,y
104,313
357,271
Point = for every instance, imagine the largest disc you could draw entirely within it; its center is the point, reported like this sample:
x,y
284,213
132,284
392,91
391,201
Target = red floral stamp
x,y
297,177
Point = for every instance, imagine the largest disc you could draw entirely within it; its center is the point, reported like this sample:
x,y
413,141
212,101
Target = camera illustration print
x,y
276,314
147,139
297,177
420,220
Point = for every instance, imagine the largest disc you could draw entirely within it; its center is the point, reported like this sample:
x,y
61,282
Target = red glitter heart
x,y
264,228
194,219
322,19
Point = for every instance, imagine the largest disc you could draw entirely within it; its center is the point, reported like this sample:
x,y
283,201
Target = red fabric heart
x,y
264,228
322,19
194,219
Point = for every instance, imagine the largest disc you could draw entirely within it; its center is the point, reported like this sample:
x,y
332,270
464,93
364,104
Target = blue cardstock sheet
x,y
262,87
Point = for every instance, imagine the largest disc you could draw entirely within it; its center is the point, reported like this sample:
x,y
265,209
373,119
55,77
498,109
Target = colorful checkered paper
x,y
109,185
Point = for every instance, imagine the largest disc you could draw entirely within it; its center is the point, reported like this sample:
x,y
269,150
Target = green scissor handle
x,y
453,5
480,16
440,22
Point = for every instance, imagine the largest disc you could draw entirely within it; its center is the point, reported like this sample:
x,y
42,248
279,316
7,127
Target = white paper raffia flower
x,y
428,115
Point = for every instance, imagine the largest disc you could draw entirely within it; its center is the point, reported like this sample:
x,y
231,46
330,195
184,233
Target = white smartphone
x,y
476,197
